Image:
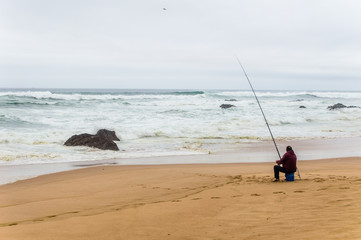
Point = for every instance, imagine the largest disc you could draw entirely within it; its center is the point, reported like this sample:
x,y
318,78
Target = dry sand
x,y
211,201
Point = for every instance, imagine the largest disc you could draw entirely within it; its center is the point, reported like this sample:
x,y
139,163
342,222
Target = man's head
x,y
288,148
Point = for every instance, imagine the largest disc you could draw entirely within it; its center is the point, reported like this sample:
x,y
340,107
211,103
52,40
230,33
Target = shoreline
x,y
311,149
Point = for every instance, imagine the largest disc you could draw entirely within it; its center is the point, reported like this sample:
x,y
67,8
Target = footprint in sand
x,y
196,198
255,194
319,180
236,178
235,196
265,179
215,197
299,191
279,193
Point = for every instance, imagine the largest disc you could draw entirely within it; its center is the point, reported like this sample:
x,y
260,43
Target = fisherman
x,y
288,162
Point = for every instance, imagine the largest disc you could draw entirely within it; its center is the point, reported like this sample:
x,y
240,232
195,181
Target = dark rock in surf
x,y
102,140
339,106
108,134
302,107
336,106
225,106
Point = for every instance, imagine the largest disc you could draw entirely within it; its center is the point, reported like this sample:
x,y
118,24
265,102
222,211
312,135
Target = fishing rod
x,y
260,107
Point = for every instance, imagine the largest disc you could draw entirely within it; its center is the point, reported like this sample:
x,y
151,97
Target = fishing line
x,y
260,107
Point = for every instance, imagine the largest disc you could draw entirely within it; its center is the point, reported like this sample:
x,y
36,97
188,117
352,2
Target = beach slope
x,y
210,201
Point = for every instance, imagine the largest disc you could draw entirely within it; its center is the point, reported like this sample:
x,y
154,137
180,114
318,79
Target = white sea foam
x,y
35,124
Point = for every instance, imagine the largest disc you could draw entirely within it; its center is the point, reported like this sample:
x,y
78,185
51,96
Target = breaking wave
x,y
152,122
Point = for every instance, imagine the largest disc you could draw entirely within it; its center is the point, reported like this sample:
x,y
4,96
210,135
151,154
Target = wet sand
x,y
194,201
309,149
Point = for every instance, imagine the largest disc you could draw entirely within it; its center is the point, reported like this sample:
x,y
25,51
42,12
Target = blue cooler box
x,y
290,177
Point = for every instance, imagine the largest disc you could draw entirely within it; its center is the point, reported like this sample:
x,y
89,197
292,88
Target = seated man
x,y
288,162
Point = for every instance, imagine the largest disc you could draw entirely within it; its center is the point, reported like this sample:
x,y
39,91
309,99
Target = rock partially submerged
x,y
339,106
225,106
102,140
108,134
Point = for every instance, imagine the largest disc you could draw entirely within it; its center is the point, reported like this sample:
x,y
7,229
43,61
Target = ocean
x,y
35,123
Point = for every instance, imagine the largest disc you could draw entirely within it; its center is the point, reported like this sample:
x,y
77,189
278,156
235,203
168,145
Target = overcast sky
x,y
183,44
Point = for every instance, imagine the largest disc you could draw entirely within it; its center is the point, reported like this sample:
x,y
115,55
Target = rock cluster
x,y
340,105
224,106
104,139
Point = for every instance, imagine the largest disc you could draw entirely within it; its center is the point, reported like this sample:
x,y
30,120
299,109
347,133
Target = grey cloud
x,y
190,45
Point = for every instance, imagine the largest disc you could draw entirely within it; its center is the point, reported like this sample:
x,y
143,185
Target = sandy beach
x,y
194,201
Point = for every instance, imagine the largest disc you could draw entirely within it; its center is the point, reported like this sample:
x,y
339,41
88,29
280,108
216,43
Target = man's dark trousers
x,y
277,169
